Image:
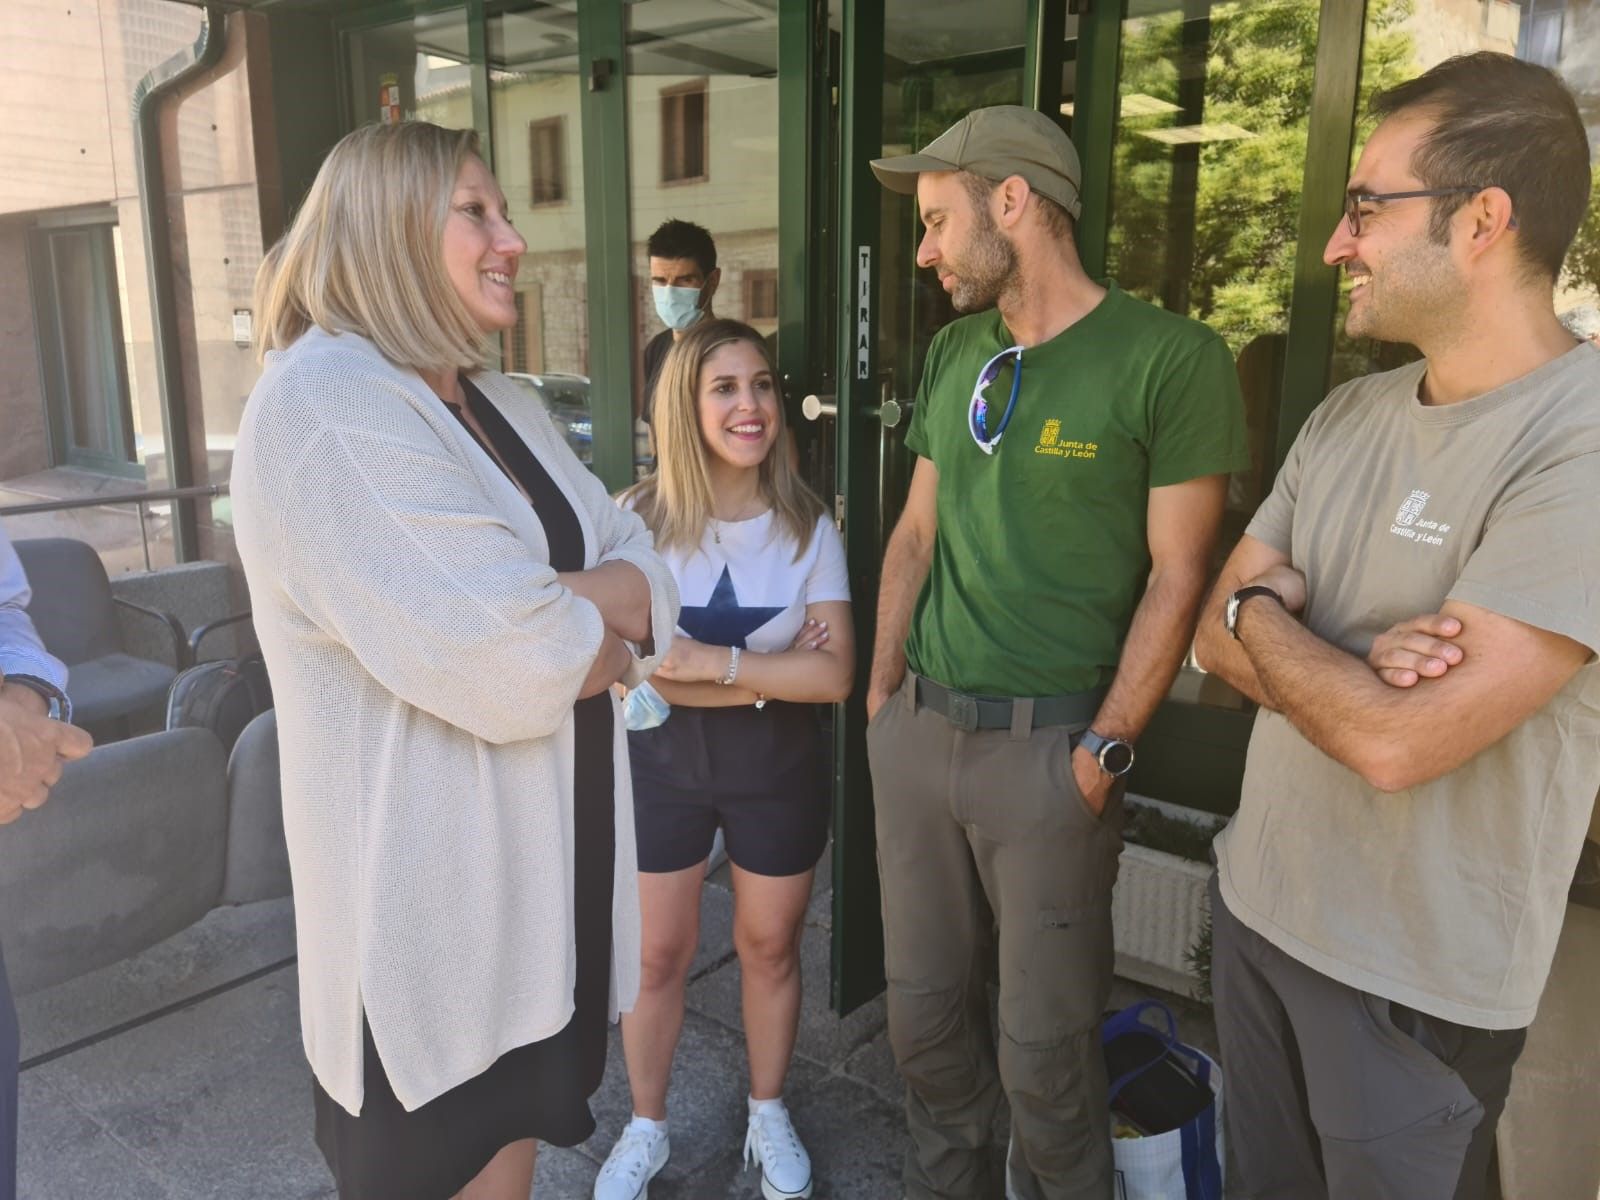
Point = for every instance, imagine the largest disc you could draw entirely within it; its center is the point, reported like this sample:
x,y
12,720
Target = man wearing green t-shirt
x,y
1389,894
1036,601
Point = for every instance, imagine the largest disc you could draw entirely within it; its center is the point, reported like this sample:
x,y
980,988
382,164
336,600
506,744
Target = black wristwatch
x,y
60,708
1114,755
1230,611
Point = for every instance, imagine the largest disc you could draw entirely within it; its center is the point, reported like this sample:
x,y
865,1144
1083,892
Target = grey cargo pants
x,y
1337,1094
977,830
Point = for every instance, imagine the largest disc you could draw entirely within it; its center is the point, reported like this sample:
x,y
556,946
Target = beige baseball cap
x,y
996,143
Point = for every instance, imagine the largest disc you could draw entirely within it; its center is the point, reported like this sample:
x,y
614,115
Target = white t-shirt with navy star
x,y
749,590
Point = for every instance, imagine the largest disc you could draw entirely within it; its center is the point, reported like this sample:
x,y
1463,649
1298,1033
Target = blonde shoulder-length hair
x,y
364,254
675,501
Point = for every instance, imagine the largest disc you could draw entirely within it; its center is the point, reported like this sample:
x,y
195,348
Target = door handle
x,y
889,414
815,406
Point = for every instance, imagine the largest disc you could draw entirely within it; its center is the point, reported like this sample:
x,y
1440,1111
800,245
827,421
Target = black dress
x,y
540,1090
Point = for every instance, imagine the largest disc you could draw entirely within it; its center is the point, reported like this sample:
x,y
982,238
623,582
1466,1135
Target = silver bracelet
x,y
733,667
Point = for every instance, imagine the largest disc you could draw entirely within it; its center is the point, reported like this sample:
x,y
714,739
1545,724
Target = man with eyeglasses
x,y
1037,598
1389,895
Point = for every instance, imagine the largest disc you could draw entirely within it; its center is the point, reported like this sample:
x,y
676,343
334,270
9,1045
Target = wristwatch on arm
x,y
1230,611
60,708
1114,755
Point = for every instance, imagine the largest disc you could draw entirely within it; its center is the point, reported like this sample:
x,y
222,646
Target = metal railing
x,y
140,501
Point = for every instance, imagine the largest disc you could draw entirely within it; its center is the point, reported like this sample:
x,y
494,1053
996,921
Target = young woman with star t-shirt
x,y
764,636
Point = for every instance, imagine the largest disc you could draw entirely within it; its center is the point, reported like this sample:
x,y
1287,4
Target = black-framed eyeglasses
x,y
1354,200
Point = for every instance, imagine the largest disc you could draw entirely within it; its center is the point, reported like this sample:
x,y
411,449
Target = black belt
x,y
994,712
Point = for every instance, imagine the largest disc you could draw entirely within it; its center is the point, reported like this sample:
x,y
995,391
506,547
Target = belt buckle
x,y
963,712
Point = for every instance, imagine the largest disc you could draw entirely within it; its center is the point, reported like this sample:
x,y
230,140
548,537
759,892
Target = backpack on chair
x,y
224,695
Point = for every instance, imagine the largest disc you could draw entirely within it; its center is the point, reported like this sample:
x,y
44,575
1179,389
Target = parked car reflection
x,y
566,398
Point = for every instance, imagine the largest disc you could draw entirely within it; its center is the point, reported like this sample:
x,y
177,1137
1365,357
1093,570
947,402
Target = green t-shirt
x,y
1041,554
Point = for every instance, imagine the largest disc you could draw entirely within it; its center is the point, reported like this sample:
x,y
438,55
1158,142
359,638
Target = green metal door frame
x,y
1045,54
1094,124
608,242
804,223
857,928
1330,139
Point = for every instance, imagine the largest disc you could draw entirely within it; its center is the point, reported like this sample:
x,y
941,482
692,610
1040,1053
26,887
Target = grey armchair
x,y
130,848
139,840
75,614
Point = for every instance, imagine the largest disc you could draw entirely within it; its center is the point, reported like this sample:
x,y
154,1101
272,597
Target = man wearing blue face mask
x,y
683,279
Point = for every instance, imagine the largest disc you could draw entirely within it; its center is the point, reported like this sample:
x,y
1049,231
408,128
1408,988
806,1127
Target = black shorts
x,y
760,774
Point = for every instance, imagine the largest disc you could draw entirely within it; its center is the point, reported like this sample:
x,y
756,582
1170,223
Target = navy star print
x,y
722,622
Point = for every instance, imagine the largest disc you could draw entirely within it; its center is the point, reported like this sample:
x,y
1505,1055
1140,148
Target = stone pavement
x,y
178,1075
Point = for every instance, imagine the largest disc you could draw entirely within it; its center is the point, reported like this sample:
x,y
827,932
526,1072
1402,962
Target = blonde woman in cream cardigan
x,y
444,596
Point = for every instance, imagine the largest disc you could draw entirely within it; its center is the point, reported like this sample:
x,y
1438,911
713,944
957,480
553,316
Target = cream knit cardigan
x,y
424,662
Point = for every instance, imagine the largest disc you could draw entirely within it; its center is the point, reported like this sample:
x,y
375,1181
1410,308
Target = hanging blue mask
x,y
645,708
678,307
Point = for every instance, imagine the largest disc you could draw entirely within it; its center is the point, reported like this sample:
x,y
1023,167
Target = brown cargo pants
x,y
979,831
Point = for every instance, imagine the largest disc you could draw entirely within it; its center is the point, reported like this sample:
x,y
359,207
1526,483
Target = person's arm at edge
x,y
32,746
21,650
906,559
1181,530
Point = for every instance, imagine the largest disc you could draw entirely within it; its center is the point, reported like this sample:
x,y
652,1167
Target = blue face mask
x,y
645,708
678,307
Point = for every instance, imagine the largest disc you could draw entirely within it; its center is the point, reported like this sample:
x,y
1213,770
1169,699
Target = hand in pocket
x,y
1094,785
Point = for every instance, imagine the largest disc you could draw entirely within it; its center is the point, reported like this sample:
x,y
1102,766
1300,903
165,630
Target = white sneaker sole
x,y
772,1192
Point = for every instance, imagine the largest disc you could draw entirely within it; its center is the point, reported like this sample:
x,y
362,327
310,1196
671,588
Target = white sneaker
x,y
773,1144
634,1161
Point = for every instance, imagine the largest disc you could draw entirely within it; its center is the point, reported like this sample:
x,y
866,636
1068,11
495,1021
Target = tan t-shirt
x,y
1447,898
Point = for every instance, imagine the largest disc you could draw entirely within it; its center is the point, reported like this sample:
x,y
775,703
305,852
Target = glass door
x,y
1214,103
703,131
909,70
535,118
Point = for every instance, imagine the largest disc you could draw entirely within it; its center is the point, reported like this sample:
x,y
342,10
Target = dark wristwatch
x,y
60,706
1114,755
1230,611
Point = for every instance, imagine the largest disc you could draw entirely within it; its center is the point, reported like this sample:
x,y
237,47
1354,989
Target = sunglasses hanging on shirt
x,y
978,411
